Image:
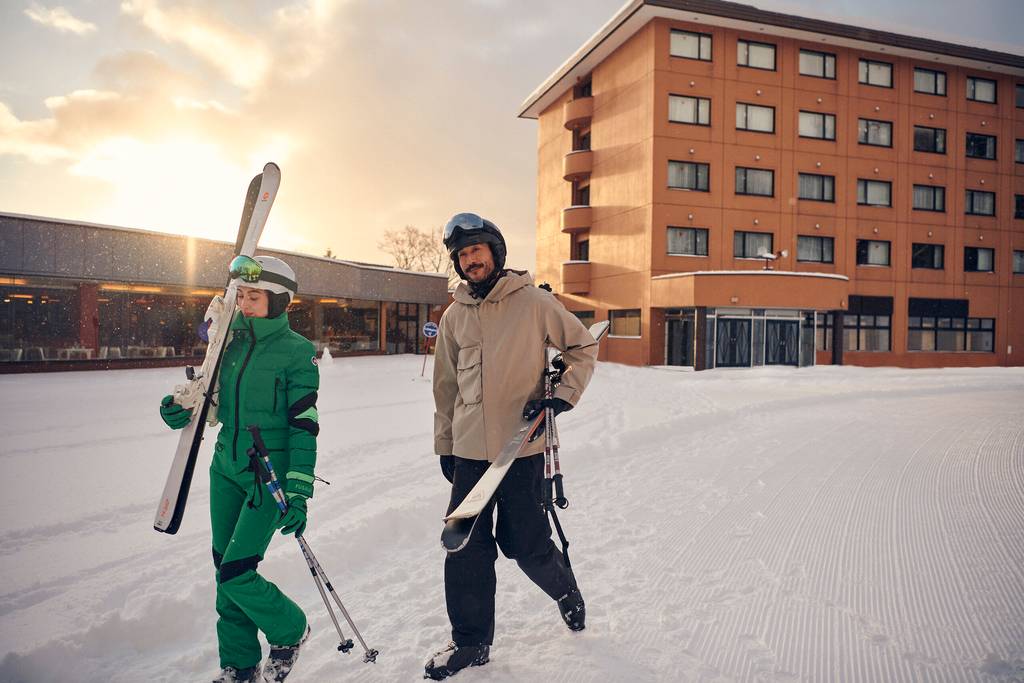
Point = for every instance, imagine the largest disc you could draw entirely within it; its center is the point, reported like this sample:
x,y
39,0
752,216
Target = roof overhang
x,y
751,289
635,14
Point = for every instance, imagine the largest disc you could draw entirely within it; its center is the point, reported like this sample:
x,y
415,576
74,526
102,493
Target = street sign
x,y
430,330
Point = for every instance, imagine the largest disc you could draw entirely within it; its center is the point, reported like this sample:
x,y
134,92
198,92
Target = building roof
x,y
635,14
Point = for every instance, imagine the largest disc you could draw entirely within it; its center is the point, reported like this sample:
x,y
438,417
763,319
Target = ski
x,y
198,392
459,525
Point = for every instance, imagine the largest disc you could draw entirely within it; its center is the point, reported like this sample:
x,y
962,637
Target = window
x,y
754,117
873,253
1018,262
981,89
875,73
980,203
756,181
981,146
939,333
755,55
815,249
695,110
823,332
979,260
580,139
874,192
929,139
1018,206
929,198
1018,151
580,193
820,188
815,125
817,64
927,256
583,89
580,248
685,175
867,332
871,132
687,241
586,317
690,45
929,82
751,244
1019,95
625,323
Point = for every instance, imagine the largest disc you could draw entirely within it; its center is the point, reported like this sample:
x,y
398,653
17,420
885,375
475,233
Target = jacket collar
x,y
513,281
260,327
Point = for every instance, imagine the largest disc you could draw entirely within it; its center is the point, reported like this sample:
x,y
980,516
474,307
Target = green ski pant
x,y
246,602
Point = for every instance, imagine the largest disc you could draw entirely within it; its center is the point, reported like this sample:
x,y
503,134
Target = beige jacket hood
x,y
490,359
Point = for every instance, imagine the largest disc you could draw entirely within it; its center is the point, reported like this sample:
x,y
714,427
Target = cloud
x,y
60,19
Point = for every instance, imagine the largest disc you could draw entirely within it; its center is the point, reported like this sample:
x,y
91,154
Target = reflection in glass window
x,y
817,125
625,323
695,110
690,45
351,325
817,64
755,55
688,241
685,175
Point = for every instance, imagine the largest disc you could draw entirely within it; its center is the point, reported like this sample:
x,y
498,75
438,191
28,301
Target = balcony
x,y
577,113
576,219
576,277
577,165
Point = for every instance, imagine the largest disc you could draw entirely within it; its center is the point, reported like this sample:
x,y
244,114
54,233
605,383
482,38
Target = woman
x,y
268,377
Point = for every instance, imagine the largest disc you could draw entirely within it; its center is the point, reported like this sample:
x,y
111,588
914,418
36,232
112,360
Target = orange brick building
x,y
735,187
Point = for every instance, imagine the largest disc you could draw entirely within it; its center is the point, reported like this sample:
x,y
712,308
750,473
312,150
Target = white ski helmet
x,y
264,272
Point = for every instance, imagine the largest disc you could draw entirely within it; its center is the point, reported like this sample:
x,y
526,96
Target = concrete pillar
x,y
837,337
89,316
700,362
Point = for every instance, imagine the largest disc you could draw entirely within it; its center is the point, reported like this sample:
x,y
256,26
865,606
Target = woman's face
x,y
253,302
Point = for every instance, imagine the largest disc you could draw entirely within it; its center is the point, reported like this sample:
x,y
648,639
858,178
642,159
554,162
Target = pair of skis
x,y
459,525
199,392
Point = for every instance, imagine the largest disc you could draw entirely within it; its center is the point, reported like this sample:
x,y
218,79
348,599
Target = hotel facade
x,y
732,187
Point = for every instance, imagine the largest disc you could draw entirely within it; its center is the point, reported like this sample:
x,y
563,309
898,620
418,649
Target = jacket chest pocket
x,y
261,391
470,375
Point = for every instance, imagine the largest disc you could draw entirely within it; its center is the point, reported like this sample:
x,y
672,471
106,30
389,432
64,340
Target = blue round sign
x,y
430,330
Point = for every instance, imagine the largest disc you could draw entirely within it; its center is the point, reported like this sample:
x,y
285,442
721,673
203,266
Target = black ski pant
x,y
524,535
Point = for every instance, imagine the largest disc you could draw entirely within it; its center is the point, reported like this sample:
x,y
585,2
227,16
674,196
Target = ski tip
x,y
456,534
271,167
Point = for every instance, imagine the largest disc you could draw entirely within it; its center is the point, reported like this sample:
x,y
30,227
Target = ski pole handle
x,y
560,500
259,452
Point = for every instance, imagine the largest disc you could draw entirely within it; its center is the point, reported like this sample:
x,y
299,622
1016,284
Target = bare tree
x,y
419,250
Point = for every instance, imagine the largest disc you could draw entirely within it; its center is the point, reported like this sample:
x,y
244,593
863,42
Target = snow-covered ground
x,y
823,524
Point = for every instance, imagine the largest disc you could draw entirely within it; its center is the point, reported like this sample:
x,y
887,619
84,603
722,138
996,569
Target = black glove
x,y
448,467
535,407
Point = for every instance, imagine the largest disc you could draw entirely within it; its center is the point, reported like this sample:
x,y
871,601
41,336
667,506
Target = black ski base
x,y
456,533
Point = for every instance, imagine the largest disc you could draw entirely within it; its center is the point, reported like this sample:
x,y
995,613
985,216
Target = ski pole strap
x,y
261,460
561,536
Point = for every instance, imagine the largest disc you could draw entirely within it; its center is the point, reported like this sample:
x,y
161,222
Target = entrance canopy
x,y
751,288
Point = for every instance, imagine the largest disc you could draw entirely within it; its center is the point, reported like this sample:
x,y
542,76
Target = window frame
x,y
744,234
913,197
696,242
824,63
747,117
861,324
976,251
707,175
1018,95
1018,151
822,240
865,139
824,127
624,312
967,146
773,46
1018,205
867,73
969,202
866,181
700,36
867,242
699,101
831,199
968,89
932,247
1017,258
934,136
932,72
933,325
745,169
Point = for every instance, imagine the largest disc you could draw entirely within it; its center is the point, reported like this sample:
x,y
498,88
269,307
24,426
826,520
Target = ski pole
x,y
259,453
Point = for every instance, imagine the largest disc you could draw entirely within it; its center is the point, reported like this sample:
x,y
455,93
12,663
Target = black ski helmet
x,y
465,229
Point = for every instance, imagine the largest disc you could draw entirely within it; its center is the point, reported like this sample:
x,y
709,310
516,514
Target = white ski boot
x,y
281,660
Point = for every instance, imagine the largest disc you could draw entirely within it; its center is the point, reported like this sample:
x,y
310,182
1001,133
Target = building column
x,y
700,327
837,337
89,316
382,337
318,321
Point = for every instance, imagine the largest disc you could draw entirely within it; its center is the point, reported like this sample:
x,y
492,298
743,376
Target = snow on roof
x,y
751,272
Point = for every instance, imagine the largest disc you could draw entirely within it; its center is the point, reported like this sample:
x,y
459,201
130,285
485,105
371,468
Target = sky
x,y
154,114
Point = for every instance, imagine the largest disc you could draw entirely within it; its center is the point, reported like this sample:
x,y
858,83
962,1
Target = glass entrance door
x,y
679,346
781,342
732,346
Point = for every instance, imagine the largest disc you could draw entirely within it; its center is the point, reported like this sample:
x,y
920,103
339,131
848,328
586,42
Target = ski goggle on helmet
x,y
264,272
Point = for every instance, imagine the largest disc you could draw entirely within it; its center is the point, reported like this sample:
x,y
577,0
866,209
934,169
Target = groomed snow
x,y
823,524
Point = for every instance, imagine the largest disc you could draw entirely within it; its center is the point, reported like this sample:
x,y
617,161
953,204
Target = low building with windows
x,y
735,187
78,295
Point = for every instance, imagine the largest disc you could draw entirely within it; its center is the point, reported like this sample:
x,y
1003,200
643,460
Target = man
x,y
487,378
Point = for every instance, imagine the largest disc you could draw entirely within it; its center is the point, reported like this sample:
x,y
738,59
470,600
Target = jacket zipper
x,y
238,389
277,381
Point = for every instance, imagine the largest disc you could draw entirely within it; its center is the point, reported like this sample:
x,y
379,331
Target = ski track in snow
x,y
825,524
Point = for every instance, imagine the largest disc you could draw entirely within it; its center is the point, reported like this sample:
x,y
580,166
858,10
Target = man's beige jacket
x,y
489,363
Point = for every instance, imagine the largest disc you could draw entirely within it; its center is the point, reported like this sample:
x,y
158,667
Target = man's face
x,y
253,302
476,261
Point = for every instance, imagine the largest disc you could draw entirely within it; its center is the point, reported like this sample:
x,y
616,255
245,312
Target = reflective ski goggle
x,y
245,268
466,222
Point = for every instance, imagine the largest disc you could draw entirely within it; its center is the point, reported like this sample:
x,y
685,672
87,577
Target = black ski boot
x,y
230,674
573,611
455,658
281,660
